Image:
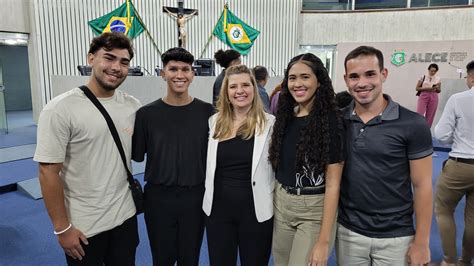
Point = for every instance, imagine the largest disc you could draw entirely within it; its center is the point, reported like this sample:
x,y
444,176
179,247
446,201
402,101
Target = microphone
x,y
273,71
458,69
146,70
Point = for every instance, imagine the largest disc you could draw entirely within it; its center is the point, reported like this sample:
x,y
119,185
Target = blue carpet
x,y
15,171
18,136
26,232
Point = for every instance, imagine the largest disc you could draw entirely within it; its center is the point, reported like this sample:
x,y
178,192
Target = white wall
x,y
148,89
387,26
447,29
14,16
402,79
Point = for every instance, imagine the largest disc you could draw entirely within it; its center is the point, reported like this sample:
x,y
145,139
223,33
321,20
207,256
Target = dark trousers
x,y
113,247
175,223
233,226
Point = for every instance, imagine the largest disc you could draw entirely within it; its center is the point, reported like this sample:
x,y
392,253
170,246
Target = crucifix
x,y
181,15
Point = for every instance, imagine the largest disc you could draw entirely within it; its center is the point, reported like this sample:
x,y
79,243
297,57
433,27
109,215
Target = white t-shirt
x,y
72,131
456,124
429,81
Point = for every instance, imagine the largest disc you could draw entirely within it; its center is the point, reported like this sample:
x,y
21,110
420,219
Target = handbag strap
x,y
112,129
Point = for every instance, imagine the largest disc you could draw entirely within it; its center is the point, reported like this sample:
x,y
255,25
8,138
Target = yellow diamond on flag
x,y
237,34
118,24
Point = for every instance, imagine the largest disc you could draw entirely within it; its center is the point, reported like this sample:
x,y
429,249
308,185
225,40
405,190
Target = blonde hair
x,y
255,122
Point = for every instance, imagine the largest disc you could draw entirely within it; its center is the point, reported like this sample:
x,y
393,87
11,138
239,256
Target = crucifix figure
x,y
182,15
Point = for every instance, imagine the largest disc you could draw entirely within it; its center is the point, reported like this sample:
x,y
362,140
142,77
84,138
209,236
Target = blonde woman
x,y
239,178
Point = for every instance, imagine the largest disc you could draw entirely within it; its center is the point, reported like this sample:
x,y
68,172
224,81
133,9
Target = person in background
x,y
173,132
343,99
456,180
81,173
307,155
261,75
239,178
428,87
387,172
274,99
225,59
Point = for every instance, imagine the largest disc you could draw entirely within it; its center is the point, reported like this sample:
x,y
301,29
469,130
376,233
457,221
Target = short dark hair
x,y
260,73
343,99
470,66
433,66
177,54
364,50
109,41
223,58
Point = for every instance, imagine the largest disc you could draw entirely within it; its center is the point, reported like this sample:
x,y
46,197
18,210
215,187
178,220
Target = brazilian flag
x,y
234,32
122,19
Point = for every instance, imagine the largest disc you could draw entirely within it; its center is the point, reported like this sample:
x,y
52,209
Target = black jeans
x,y
175,223
233,226
116,246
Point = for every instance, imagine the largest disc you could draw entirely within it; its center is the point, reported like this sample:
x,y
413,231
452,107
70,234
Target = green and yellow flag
x,y
234,32
122,19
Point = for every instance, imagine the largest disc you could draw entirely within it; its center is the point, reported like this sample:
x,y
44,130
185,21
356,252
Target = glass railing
x,y
327,5
3,112
378,4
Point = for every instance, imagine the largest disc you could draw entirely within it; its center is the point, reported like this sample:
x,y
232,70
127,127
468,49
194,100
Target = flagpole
x,y
225,18
207,45
146,29
129,19
210,37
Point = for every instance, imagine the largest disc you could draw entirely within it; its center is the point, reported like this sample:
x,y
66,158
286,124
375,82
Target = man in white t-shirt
x,y
82,177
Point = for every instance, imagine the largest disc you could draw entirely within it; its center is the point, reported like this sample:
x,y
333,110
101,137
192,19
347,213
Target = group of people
x,y
292,185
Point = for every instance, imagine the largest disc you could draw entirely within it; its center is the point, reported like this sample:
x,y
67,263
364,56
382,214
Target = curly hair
x,y
314,143
224,58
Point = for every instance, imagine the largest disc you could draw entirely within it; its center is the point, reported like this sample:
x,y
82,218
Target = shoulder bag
x,y
134,184
422,80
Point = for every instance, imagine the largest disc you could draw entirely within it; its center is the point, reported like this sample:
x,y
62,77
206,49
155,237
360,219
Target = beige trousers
x,y
353,249
297,222
455,181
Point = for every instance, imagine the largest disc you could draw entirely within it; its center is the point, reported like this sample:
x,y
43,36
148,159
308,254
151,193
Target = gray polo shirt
x,y
376,195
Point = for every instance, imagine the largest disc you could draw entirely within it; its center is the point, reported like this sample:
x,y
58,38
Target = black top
x,y
376,195
234,162
216,89
286,173
174,139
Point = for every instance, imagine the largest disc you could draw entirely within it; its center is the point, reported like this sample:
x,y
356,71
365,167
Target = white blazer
x,y
262,179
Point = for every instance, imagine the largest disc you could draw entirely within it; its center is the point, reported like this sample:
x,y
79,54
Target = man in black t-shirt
x,y
388,152
173,133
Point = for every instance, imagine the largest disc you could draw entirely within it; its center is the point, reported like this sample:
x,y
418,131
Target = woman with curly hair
x,y
239,178
306,153
225,59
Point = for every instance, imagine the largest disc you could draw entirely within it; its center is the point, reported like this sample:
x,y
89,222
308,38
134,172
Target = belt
x,y
304,190
462,160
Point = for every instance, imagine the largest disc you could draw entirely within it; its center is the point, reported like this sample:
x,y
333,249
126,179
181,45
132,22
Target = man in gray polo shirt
x,y
388,151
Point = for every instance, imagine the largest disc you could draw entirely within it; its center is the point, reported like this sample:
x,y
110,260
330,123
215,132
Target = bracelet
x,y
62,231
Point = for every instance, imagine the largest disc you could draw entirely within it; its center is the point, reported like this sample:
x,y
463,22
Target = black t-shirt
x,y
286,173
234,162
216,89
174,138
